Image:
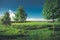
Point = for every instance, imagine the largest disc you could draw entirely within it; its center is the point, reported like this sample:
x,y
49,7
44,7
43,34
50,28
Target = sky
x,y
33,8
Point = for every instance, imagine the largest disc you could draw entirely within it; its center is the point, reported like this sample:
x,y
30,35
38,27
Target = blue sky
x,y
32,7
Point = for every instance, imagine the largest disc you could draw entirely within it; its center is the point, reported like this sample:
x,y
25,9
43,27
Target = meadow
x,y
29,31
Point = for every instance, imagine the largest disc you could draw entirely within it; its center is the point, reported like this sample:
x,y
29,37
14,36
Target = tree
x,y
6,19
51,10
20,14
58,16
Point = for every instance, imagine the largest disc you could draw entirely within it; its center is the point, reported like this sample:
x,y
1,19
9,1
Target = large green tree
x,y
20,14
51,9
6,19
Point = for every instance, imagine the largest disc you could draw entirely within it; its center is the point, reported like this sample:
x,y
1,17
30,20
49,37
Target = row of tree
x,y
20,15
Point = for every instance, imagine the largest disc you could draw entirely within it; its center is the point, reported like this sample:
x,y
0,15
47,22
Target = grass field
x,y
32,23
36,23
18,29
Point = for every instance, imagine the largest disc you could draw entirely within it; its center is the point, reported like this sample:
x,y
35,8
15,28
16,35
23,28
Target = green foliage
x,y
58,19
6,19
10,31
41,34
56,36
51,9
20,14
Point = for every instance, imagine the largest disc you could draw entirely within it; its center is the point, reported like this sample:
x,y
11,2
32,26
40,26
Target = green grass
x,y
35,25
32,23
40,34
8,31
20,29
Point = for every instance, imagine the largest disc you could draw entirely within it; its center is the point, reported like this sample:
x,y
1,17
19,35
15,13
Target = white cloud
x,y
37,19
12,15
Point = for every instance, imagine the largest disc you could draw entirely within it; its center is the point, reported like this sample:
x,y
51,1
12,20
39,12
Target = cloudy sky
x,y
32,7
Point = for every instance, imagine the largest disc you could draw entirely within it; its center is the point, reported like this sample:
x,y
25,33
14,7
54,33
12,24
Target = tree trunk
x,y
53,26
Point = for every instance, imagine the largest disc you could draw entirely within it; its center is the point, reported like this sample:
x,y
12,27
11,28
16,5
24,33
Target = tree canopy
x,y
20,14
51,9
6,19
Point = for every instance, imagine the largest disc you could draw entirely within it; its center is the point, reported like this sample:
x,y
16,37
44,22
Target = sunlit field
x,y
37,24
34,23
29,31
